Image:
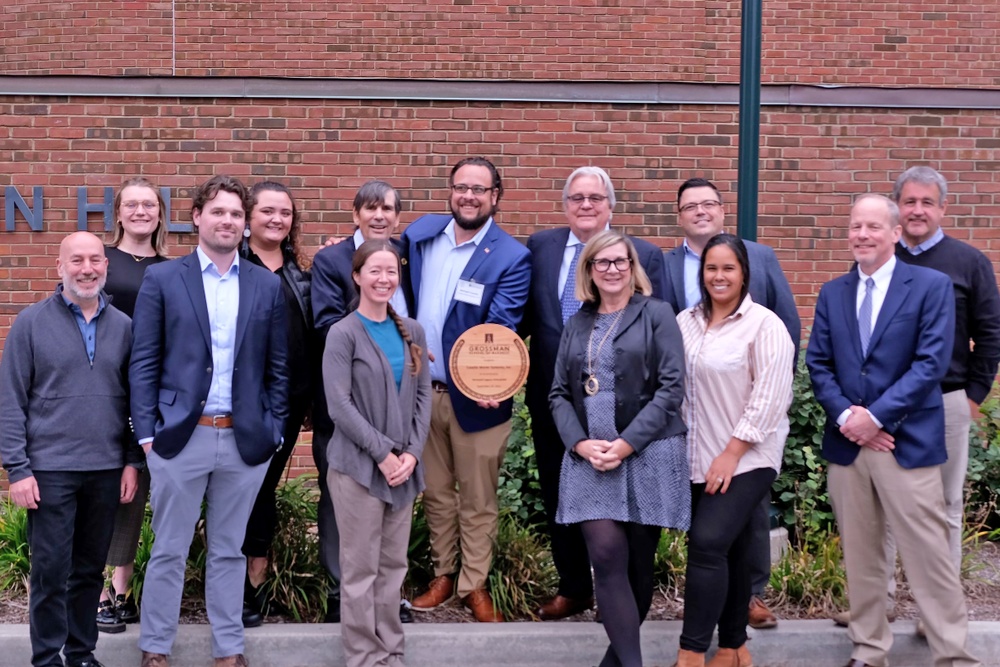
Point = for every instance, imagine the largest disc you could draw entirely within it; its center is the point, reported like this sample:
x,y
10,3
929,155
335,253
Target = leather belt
x,y
440,387
216,421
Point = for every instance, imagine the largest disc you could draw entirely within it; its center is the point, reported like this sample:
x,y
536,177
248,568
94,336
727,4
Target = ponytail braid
x,y
415,352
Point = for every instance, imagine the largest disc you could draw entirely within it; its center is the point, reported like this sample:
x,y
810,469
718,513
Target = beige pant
x,y
373,545
874,494
957,421
465,516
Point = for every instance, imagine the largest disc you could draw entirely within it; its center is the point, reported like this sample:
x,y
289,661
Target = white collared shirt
x,y
882,278
222,297
444,262
692,285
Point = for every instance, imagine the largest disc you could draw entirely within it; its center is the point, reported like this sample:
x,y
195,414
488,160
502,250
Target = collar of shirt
x,y
205,262
571,242
88,330
882,278
101,303
698,313
359,238
935,238
449,231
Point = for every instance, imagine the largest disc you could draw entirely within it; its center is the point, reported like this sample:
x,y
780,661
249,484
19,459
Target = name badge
x,y
470,292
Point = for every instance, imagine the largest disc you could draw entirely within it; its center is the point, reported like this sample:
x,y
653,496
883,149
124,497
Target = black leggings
x,y
622,556
717,589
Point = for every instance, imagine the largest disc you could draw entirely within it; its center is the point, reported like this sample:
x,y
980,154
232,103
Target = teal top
x,y
390,341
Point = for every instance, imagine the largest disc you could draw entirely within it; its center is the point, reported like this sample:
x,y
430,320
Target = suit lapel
x,y
899,289
248,293
482,251
850,312
675,266
415,258
191,276
552,259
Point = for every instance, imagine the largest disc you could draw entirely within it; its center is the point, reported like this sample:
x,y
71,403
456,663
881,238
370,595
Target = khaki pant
x,y
874,494
460,502
373,545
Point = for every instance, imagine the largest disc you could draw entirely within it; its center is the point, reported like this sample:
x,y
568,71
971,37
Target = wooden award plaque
x,y
489,362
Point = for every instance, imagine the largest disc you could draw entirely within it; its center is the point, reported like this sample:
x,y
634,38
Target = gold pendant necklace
x,y
591,385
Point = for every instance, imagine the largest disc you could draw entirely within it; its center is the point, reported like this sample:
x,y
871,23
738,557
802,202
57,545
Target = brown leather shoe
x,y
237,660
154,660
482,607
440,590
731,657
563,607
761,617
843,618
687,658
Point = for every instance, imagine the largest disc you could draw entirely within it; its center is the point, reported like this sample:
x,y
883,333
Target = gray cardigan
x,y
370,416
59,412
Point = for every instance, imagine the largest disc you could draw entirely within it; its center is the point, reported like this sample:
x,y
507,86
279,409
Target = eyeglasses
x,y
462,188
579,199
709,206
146,205
604,265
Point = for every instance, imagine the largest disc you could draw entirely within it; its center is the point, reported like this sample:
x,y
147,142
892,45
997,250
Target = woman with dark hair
x,y
378,392
739,386
616,399
272,241
138,241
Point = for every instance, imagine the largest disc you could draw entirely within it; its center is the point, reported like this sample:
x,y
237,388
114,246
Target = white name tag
x,y
470,292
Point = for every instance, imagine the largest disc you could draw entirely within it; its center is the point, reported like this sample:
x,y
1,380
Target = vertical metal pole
x,y
748,176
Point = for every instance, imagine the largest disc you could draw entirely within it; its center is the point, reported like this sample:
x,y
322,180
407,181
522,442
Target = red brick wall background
x,y
891,43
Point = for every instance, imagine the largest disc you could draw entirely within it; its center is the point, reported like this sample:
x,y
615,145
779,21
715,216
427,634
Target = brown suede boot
x,y
687,658
731,657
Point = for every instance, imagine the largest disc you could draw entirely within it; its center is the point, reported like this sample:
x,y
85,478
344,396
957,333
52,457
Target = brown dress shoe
x,y
440,590
237,660
482,607
731,657
857,663
563,607
761,617
154,660
687,658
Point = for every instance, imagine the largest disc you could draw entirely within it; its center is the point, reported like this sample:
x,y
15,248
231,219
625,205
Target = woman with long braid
x,y
378,394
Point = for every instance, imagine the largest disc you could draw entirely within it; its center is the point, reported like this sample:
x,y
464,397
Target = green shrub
x,y
670,561
523,573
142,554
811,575
14,562
519,491
800,493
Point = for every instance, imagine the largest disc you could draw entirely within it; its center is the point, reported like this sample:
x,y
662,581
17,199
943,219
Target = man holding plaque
x,y
463,270
588,201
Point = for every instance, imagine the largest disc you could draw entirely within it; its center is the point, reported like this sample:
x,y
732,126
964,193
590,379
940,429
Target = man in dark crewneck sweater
x,y
920,193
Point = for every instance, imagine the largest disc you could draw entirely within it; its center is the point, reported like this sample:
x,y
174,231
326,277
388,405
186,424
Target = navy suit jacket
x,y
768,286
503,266
899,379
171,367
543,315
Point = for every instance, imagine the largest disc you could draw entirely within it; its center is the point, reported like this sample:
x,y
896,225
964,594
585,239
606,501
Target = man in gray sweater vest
x,y
65,442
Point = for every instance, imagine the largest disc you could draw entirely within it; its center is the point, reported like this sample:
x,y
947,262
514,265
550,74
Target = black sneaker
x,y
107,618
332,609
405,613
126,609
89,662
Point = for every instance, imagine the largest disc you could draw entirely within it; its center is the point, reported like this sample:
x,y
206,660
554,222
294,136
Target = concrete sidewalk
x,y
792,644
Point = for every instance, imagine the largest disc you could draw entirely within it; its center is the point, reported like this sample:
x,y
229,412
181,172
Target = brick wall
x,y
892,43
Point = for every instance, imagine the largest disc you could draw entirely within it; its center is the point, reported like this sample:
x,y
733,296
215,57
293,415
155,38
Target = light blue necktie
x,y
865,317
568,299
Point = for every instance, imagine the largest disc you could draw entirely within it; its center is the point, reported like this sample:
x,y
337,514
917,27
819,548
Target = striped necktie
x,y
568,299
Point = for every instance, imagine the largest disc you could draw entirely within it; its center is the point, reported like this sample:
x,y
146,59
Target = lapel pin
x,y
486,249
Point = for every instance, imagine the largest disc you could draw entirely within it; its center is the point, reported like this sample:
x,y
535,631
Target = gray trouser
x,y
326,520
208,467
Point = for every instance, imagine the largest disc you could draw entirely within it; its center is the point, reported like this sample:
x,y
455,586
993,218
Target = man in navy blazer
x,y
209,401
701,215
376,215
463,270
588,201
880,346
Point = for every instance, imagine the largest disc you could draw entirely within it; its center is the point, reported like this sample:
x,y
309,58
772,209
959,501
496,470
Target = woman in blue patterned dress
x,y
616,399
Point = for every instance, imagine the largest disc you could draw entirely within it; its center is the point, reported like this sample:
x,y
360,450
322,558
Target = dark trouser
x,y
569,551
759,547
68,536
622,554
263,518
717,588
326,520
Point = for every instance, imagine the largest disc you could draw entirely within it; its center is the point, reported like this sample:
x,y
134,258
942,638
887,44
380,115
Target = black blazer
x,y
543,314
649,374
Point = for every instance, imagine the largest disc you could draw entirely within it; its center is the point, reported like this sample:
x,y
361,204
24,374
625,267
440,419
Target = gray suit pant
x,y
208,467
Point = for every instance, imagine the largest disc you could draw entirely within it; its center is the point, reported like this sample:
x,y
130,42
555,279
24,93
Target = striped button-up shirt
x,y
738,384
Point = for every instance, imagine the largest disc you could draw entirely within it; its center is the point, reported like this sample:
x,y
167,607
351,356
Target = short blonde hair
x,y
586,291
